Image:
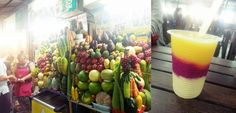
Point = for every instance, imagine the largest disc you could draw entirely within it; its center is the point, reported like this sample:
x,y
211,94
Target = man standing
x,y
5,104
156,22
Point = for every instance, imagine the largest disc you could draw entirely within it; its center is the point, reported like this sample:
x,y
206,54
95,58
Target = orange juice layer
x,y
194,50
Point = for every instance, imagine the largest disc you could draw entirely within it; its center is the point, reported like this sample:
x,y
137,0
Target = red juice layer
x,y
187,69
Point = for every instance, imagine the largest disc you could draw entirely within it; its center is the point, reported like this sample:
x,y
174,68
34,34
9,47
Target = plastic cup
x,y
191,56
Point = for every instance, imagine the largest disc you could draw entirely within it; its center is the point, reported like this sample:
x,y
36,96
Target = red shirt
x,y
23,89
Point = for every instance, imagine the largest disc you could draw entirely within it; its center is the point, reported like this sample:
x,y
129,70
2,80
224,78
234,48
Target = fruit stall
x,y
97,63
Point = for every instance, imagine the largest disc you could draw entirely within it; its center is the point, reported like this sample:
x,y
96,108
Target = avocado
x,y
105,38
93,45
114,39
105,54
111,46
125,41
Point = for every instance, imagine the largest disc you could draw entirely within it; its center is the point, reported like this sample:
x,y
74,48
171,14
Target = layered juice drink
x,y
191,56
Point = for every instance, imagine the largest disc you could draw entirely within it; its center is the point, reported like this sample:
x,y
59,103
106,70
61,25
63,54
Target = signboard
x,y
69,5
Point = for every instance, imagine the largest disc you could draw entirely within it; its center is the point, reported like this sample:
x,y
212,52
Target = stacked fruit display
x,y
44,68
46,74
44,63
97,65
93,75
108,69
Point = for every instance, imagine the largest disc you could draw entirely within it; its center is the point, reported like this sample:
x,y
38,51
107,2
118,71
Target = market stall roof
x,y
8,7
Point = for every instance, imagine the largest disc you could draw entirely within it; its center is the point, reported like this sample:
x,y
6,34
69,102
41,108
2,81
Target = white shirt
x,y
3,72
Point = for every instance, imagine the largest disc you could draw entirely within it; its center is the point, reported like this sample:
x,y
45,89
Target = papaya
x,y
55,84
64,65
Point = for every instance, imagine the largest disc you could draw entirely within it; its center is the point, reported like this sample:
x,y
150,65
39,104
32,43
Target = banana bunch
x,y
74,93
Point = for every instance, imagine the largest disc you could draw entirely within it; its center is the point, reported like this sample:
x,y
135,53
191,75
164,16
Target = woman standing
x,y
23,86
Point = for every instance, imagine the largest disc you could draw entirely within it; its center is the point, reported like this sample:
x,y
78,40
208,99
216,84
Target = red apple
x,y
94,66
83,60
88,60
100,67
82,54
86,55
101,60
89,67
94,61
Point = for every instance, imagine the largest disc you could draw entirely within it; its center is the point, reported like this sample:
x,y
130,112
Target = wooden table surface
x,y
218,95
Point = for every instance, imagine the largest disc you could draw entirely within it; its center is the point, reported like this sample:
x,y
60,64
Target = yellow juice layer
x,y
193,47
187,88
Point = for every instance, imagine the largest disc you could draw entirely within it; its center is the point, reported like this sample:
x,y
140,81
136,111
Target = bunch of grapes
x,y
147,54
134,60
125,63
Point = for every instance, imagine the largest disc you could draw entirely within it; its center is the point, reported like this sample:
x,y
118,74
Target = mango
x,y
107,63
